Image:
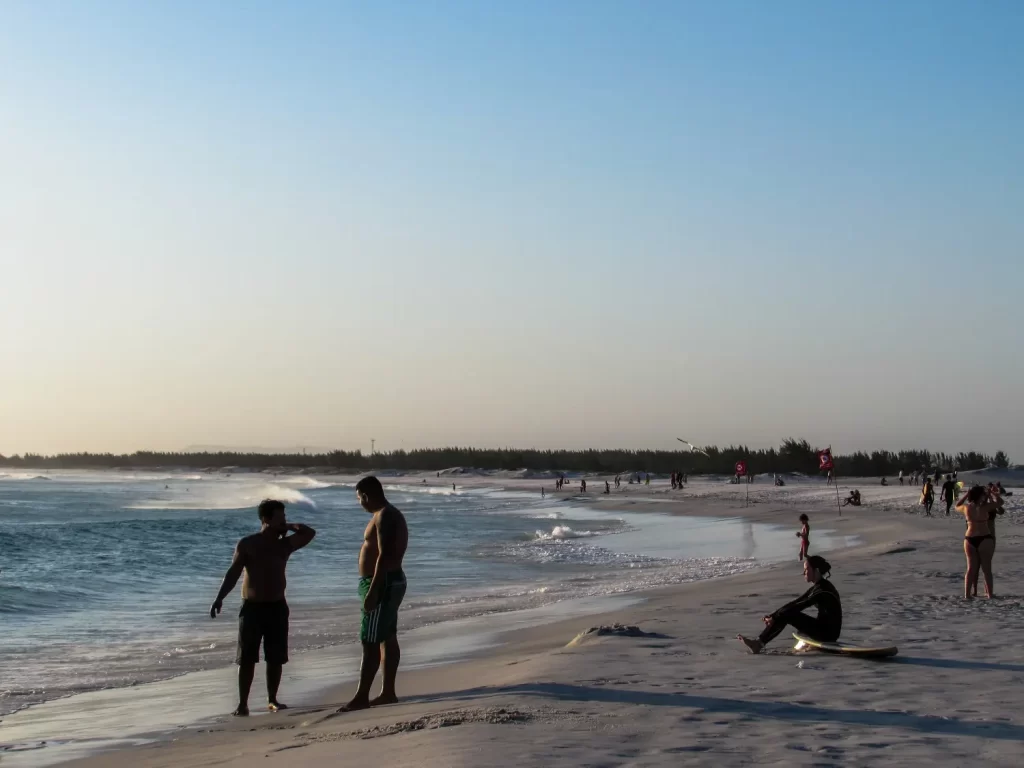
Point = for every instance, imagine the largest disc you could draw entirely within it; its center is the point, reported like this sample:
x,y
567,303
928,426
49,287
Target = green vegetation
x,y
792,456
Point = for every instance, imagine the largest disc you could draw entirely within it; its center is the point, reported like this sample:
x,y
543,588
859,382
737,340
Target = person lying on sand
x,y
829,622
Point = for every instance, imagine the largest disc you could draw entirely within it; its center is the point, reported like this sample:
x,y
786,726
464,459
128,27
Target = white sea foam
x,y
309,483
562,532
217,496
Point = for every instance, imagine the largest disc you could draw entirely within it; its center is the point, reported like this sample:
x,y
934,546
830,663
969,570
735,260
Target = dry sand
x,y
686,692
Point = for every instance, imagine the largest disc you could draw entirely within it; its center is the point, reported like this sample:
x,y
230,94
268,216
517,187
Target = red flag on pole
x,y
825,459
741,468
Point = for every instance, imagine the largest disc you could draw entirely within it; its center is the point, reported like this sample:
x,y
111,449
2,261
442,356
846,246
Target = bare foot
x,y
241,711
382,699
355,705
276,706
754,646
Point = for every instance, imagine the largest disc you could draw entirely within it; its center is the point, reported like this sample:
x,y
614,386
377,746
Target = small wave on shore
x,y
562,532
227,497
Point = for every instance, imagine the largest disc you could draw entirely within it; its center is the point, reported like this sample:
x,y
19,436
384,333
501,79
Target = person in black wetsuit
x,y
822,594
948,493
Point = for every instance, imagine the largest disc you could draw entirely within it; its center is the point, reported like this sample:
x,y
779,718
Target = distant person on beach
x,y
853,499
822,594
829,476
607,487
928,497
979,544
647,479
948,494
901,477
382,587
583,485
884,481
805,535
542,491
262,557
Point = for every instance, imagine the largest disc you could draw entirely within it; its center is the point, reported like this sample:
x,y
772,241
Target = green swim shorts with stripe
x,y
381,623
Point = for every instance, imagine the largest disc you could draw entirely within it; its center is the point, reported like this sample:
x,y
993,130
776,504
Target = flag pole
x,y
835,481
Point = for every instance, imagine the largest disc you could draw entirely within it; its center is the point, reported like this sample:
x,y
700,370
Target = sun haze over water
x,y
547,224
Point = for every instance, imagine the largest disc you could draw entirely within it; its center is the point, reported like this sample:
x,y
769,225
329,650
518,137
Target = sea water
x,y
107,577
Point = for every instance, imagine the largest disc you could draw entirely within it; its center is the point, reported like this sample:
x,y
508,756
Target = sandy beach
x,y
687,692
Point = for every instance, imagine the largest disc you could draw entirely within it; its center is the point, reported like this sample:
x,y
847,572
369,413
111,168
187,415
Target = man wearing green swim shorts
x,y
381,588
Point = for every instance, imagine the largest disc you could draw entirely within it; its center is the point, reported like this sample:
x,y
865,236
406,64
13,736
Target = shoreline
x,y
28,724
524,650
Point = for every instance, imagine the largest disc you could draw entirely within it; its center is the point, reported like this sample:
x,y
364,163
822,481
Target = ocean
x,y
107,577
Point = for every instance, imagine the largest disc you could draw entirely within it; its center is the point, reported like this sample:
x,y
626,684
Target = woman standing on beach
x,y
997,498
805,535
979,543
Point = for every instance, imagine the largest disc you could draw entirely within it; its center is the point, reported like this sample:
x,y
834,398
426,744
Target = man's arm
x,y
302,535
385,543
230,579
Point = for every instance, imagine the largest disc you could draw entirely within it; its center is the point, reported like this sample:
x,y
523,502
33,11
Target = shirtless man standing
x,y
381,588
264,615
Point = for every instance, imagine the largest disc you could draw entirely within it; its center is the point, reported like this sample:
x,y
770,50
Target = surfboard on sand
x,y
846,649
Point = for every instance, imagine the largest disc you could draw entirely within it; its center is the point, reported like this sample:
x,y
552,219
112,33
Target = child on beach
x,y
805,535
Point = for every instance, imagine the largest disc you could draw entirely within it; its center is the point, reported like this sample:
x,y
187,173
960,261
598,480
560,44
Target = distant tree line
x,y
791,456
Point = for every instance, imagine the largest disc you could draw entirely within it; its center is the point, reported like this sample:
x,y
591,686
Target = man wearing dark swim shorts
x,y
264,614
382,587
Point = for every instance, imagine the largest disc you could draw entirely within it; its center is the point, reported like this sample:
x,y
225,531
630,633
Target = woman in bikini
x,y
805,535
979,543
997,499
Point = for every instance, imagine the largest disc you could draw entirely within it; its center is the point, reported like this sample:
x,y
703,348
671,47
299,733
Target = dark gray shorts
x,y
266,623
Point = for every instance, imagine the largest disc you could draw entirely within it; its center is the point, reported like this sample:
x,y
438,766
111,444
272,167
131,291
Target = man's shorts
x,y
381,623
266,622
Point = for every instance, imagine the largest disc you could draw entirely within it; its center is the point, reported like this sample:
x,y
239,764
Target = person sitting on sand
x,y
884,481
853,499
979,544
264,614
822,594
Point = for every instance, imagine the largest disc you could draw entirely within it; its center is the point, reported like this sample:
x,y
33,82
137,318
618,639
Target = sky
x,y
533,224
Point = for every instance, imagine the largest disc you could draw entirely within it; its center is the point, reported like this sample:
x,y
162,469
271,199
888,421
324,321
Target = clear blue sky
x,y
550,224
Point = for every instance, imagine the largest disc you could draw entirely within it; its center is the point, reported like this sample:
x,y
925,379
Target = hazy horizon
x,y
542,225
